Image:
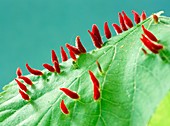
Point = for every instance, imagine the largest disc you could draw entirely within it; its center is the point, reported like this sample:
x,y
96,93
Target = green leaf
x,y
161,116
132,85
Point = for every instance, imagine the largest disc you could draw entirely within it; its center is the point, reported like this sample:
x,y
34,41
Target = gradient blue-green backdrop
x,y
29,29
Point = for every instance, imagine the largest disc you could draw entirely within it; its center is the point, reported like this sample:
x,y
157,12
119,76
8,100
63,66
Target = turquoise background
x,y
29,29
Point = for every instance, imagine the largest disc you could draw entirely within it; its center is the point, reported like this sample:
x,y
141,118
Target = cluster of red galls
x,y
148,39
23,89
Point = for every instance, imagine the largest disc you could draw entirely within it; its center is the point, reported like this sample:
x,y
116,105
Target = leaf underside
x,y
132,86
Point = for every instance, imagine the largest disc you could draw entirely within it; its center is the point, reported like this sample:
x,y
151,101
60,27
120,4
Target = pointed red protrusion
x,y
150,35
73,49
99,67
144,51
63,107
143,16
54,59
127,20
57,66
19,72
26,80
136,17
21,85
94,79
53,56
80,45
117,28
107,31
70,93
64,56
24,95
155,18
148,45
96,91
33,71
72,55
49,67
95,40
154,47
95,31
122,23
